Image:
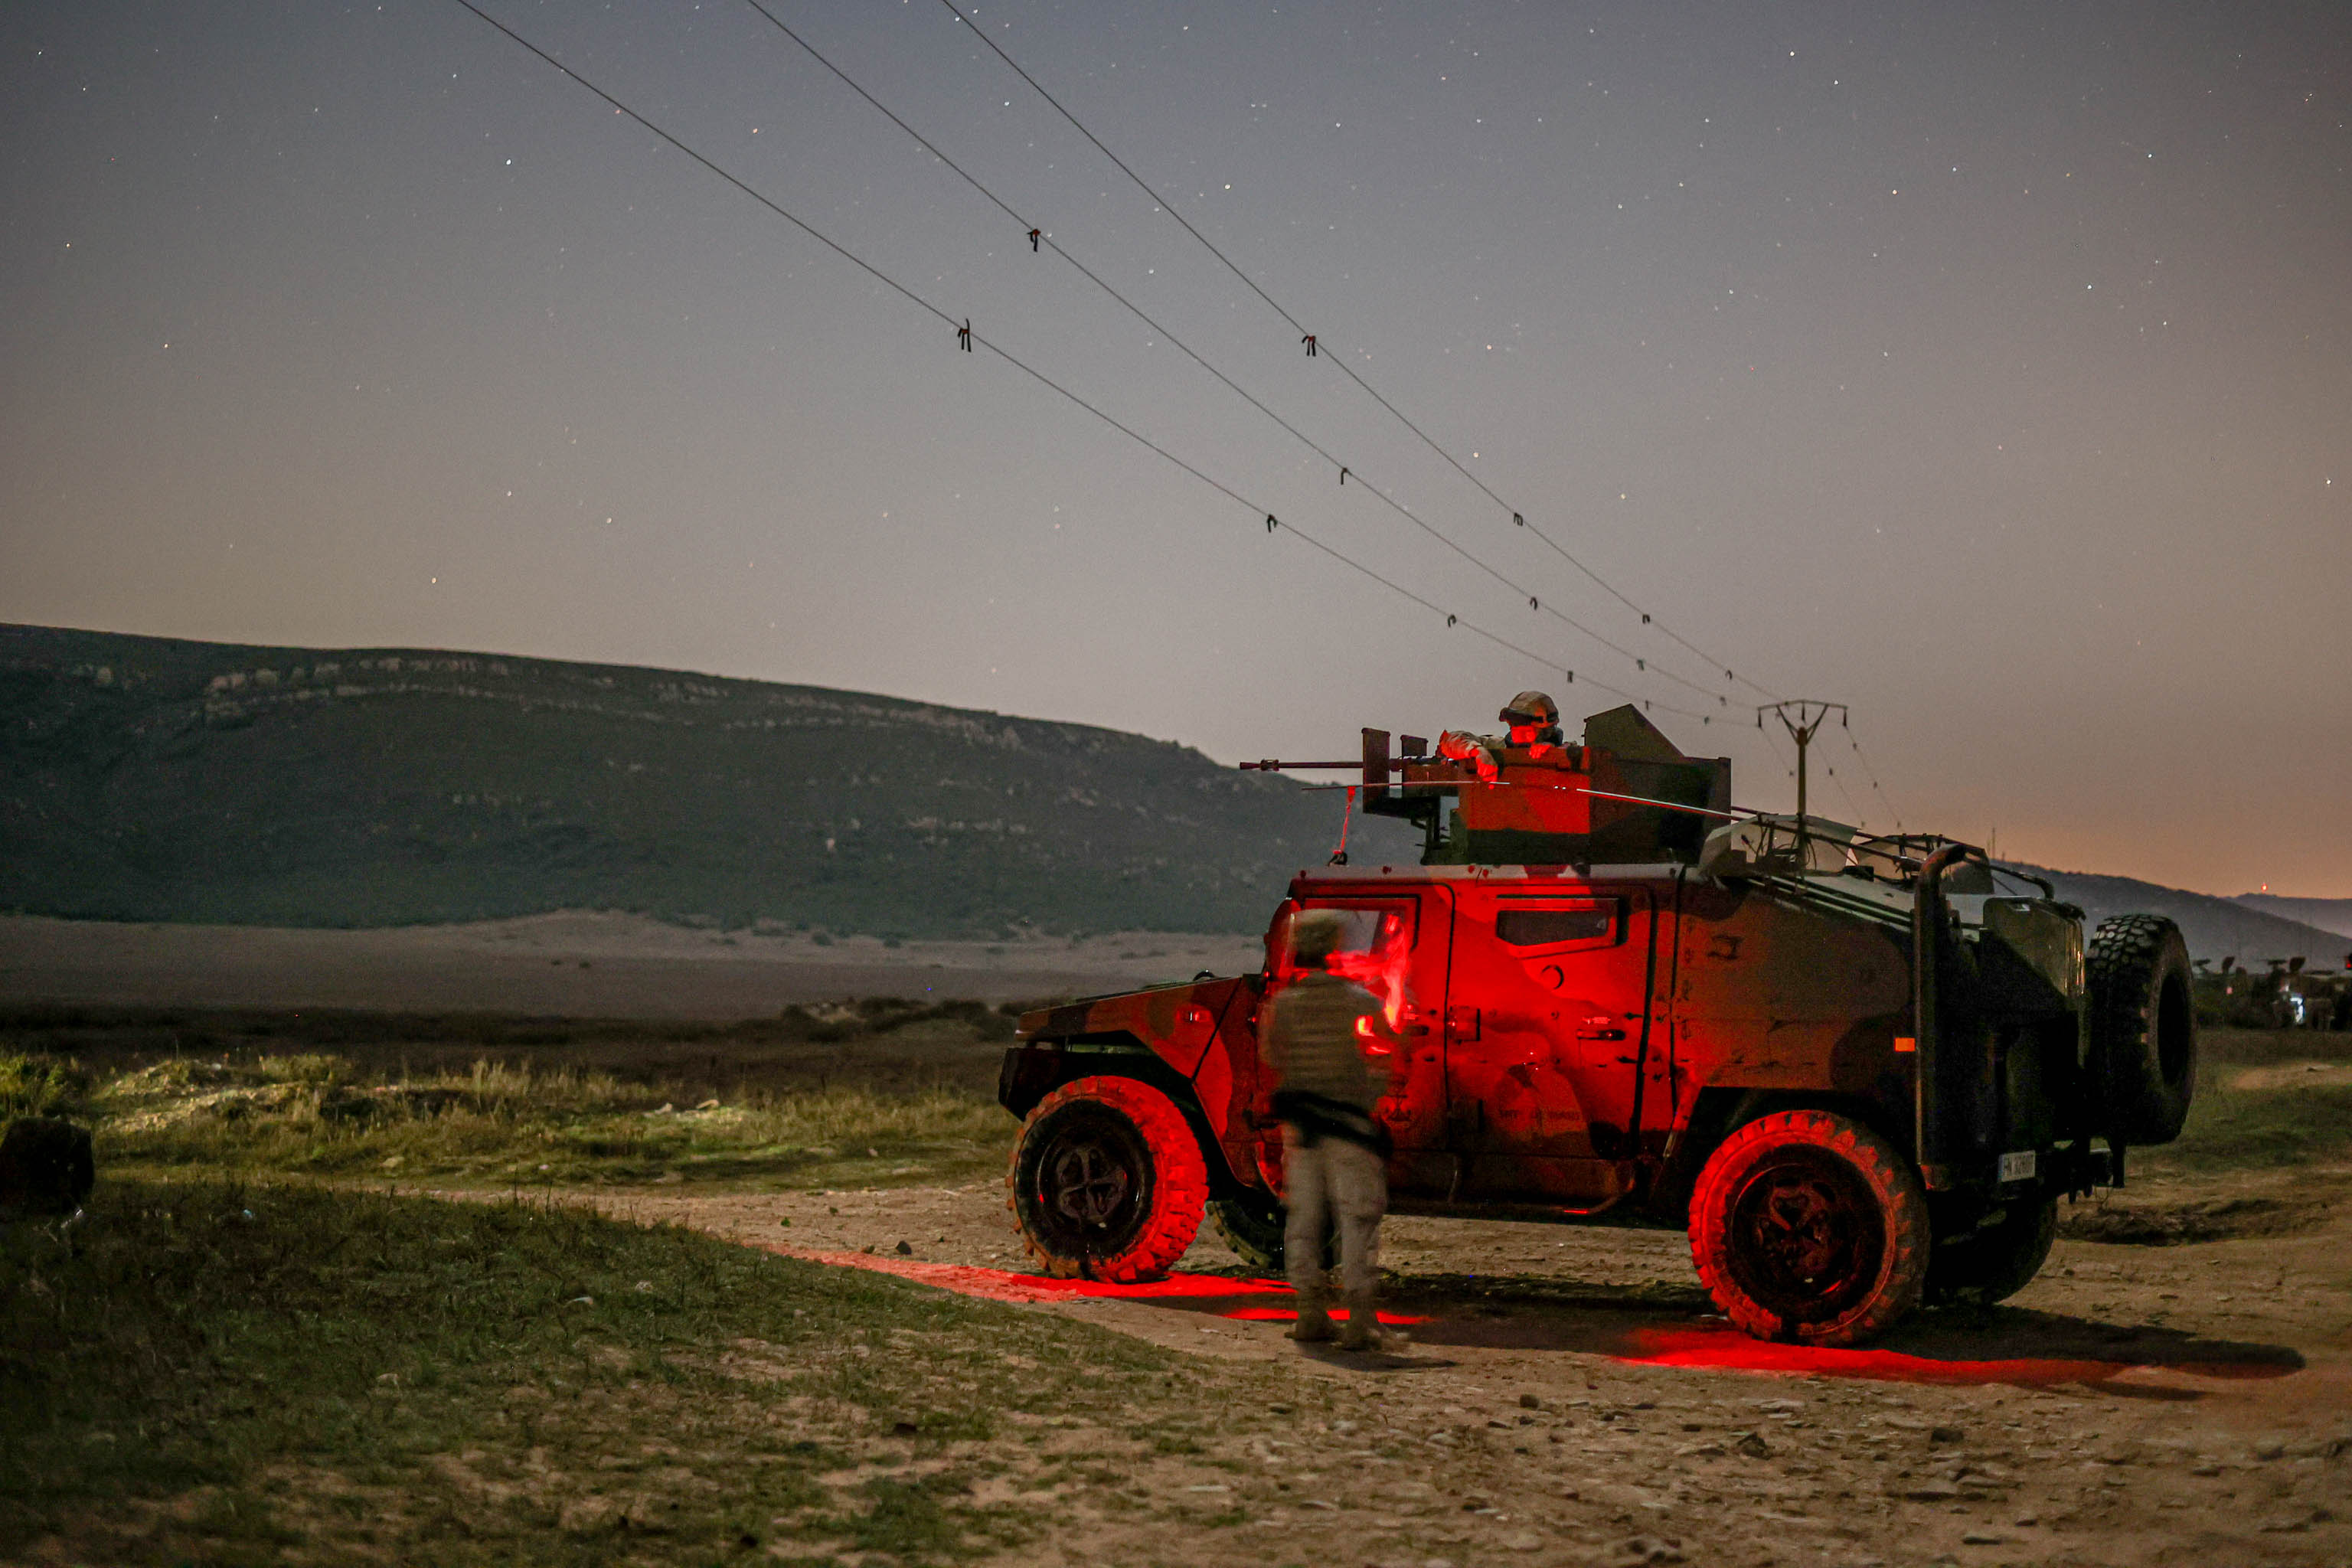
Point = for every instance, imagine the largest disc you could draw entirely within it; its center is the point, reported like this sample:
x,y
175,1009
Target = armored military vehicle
x,y
1859,1072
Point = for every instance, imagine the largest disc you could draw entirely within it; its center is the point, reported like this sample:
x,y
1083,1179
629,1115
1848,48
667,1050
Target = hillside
x,y
2216,927
147,779
2327,914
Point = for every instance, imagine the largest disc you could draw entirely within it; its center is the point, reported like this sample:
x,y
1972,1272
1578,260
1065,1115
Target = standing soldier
x,y
1334,1151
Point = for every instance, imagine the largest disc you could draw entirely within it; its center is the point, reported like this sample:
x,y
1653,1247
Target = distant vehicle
x,y
1859,1071
2288,995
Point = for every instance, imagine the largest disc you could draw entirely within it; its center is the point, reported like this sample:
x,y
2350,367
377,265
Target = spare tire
x,y
2143,1028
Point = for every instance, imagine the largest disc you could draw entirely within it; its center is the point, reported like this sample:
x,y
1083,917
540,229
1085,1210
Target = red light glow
x,y
1731,1350
1699,1346
1378,969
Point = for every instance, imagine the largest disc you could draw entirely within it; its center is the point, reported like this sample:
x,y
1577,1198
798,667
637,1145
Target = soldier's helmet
x,y
1531,708
1316,935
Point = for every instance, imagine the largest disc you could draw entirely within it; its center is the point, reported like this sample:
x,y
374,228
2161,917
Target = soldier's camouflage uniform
x,y
1334,1153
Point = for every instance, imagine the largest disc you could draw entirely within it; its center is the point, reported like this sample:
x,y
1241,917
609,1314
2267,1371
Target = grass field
x,y
875,1095
2235,1128
251,1348
213,1374
507,1127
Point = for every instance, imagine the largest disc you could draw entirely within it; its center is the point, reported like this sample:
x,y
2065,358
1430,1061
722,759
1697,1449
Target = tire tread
x,y
1903,1269
1179,1182
2125,966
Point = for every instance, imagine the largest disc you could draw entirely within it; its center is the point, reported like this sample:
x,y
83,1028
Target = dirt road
x,y
1569,1397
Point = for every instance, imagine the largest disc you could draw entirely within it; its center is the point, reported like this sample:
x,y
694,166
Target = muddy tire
x,y
1998,1260
1254,1228
2143,1028
1106,1181
1808,1227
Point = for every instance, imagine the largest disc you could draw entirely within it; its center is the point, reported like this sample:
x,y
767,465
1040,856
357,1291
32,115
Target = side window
x,y
1559,925
1376,952
1379,936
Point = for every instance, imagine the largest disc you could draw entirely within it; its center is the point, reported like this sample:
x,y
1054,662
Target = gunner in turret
x,y
1533,721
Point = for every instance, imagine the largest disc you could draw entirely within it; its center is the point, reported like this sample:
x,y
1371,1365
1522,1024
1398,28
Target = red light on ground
x,y
1003,1285
1339,1314
1730,1351
1712,1347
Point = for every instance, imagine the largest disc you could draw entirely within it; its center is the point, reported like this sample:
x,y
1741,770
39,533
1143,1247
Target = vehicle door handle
x,y
1599,1034
1412,1030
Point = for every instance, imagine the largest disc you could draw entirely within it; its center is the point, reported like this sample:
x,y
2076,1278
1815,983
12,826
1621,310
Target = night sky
x,y
1985,367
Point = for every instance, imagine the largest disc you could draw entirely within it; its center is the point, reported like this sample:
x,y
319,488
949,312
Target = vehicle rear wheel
x,y
1106,1181
2143,1027
1254,1228
1997,1260
1808,1227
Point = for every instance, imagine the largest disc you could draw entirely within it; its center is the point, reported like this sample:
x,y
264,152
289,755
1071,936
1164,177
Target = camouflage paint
x,y
1555,1060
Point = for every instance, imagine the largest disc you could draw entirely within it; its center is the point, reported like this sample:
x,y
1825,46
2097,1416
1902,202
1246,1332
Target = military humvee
x,y
1859,1072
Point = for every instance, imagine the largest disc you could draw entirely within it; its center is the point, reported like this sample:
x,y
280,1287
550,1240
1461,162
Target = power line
x,y
619,107
1517,517
969,337
1271,304
1850,803
1039,238
1273,523
1871,774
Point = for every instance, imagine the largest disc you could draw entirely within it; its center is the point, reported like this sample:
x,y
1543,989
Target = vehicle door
x,y
1395,948
1546,1020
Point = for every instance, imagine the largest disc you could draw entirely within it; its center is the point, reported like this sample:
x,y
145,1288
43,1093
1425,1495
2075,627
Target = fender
x,y
1180,1039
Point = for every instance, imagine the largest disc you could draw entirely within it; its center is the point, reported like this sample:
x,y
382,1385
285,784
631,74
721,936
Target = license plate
x,y
2018,1167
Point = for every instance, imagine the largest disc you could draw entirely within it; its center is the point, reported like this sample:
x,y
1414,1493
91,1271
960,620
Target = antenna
x,y
1803,717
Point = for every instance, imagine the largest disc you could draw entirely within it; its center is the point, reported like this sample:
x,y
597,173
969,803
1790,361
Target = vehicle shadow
x,y
1676,1325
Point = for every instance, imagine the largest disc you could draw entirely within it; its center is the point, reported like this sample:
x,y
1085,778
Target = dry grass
x,y
497,1125
867,1093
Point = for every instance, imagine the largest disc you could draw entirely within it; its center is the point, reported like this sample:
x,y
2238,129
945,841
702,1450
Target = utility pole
x,y
1803,717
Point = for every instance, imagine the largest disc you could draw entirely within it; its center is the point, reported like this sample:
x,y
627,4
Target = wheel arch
x,y
1036,1068
1722,1109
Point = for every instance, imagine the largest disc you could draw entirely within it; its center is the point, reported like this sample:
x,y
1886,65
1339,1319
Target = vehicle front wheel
x,y
1106,1181
1995,1261
1808,1227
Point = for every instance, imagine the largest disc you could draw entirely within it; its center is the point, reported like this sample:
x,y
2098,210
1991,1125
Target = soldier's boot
x,y
1363,1332
1314,1324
